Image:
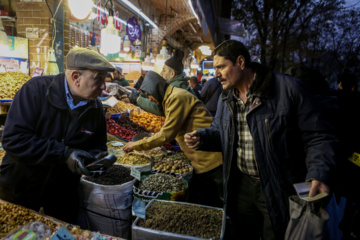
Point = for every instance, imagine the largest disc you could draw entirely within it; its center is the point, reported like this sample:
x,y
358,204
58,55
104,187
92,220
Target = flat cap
x,y
119,69
84,58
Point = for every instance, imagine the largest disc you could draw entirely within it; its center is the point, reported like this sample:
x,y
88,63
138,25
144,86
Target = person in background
x,y
210,94
140,80
194,84
203,82
54,129
119,79
173,73
109,78
271,133
184,113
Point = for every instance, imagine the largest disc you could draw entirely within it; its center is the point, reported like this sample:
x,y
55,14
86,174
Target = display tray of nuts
x,y
141,162
179,221
160,186
168,165
14,216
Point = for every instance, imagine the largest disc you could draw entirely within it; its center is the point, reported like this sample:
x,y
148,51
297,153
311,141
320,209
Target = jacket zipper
x,y
268,135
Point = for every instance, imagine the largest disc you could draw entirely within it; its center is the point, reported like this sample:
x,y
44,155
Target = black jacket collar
x,y
56,93
263,85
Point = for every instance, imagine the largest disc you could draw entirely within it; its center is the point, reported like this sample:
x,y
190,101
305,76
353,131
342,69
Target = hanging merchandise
x,y
110,36
161,58
127,44
147,65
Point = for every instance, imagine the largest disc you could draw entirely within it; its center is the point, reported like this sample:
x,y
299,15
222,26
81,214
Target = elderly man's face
x,y
167,73
88,84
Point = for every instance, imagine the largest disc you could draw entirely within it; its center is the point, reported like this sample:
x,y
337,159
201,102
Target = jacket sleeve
x,y
317,136
205,92
149,106
177,111
19,137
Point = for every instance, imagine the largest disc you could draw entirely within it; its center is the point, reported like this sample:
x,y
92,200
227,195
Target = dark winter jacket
x,y
139,82
210,94
291,143
38,127
197,90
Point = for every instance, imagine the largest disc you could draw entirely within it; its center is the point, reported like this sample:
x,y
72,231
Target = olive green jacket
x,y
180,81
184,113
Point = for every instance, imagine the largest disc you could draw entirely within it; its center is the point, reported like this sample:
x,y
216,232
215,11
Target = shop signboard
x,y
133,29
102,16
16,59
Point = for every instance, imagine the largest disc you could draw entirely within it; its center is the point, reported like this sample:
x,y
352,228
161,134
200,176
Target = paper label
x,y
111,101
135,173
355,158
62,234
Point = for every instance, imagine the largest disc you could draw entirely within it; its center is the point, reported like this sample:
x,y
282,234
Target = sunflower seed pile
x,y
161,182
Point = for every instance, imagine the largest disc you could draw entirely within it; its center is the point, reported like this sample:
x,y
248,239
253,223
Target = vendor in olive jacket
x,y
173,73
270,131
184,113
54,128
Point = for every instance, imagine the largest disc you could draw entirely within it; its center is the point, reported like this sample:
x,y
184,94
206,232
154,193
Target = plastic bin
x,y
150,234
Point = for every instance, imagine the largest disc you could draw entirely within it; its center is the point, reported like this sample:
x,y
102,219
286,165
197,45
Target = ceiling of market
x,y
183,29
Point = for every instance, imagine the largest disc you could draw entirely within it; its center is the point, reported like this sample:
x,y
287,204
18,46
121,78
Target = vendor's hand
x,y
108,115
134,96
192,139
318,187
125,98
77,161
129,147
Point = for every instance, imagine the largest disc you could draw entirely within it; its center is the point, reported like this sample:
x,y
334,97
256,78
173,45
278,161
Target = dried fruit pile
x,y
133,159
115,175
174,166
121,132
13,216
150,121
122,107
183,219
161,182
132,126
178,156
2,154
10,83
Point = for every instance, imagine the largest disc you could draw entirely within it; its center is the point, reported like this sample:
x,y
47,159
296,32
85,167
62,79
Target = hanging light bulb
x,y
4,42
127,44
110,36
161,58
147,65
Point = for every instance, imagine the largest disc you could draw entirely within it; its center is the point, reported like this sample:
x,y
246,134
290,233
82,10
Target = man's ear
x,y
75,77
241,62
173,74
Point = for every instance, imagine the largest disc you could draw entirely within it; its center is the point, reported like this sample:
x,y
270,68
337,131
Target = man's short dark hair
x,y
231,50
194,80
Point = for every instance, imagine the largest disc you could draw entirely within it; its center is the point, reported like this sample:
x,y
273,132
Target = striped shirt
x,y
246,157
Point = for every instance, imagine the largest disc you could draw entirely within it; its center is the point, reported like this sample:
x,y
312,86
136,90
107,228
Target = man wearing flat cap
x,y
55,127
173,73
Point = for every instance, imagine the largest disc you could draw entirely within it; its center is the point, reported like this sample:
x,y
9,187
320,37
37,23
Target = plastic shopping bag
x,y
307,220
